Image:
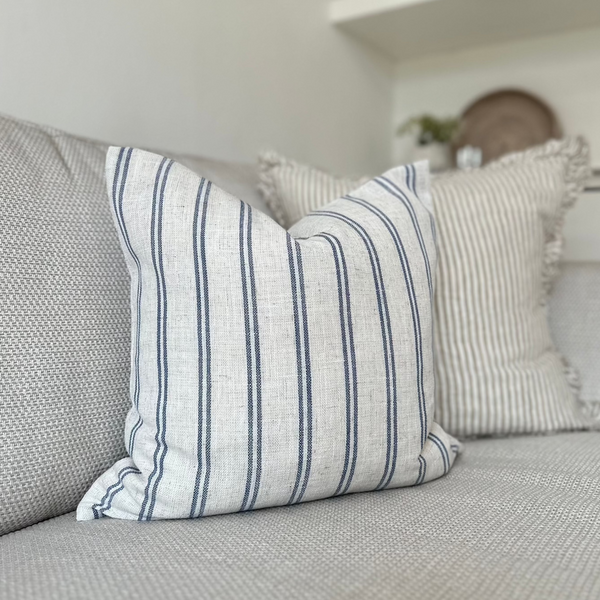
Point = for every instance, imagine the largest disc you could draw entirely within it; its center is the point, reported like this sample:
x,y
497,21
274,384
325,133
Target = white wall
x,y
562,69
222,78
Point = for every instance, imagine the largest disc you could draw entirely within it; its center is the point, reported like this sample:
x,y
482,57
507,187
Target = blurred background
x,y
221,78
323,81
328,82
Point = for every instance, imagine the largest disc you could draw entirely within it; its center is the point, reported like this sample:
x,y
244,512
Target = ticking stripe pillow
x,y
267,367
499,244
302,188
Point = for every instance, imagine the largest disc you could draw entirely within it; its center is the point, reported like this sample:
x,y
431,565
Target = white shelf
x,y
341,11
404,29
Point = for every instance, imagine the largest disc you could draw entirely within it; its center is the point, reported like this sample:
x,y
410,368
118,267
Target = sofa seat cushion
x,y
515,518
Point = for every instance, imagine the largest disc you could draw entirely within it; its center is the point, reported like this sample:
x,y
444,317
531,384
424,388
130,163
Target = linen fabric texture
x,y
270,368
65,323
499,236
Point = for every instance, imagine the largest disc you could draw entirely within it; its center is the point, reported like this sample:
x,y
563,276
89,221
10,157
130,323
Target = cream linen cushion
x,y
271,368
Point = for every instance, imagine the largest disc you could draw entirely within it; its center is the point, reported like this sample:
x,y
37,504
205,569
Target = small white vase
x,y
436,153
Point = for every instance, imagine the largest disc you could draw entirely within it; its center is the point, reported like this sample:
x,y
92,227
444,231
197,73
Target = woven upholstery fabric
x,y
516,518
64,326
575,326
268,367
499,234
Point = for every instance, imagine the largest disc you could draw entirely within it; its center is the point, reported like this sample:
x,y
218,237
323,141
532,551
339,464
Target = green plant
x,y
430,129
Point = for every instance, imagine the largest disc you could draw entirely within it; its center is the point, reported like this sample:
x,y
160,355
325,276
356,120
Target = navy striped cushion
x,y
270,368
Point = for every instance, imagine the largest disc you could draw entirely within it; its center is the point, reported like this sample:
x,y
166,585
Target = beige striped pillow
x,y
292,190
499,236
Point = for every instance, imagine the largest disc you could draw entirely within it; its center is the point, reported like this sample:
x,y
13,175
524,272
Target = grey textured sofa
x,y
516,517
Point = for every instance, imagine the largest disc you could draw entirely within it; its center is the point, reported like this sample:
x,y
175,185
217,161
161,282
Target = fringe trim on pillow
x,y
575,153
592,411
571,375
267,163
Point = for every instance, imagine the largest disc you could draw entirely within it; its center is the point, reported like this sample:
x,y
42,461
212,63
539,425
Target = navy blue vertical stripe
x,y
252,359
350,376
397,192
208,390
109,489
422,470
119,489
200,349
303,366
414,307
118,191
165,365
203,337
257,363
354,369
133,434
387,341
98,509
410,182
345,353
309,416
161,341
250,382
413,188
299,366
443,451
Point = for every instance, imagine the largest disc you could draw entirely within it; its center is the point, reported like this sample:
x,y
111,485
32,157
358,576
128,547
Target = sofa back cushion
x,y
575,326
65,325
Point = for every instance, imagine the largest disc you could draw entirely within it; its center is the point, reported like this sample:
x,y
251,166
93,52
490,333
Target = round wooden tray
x,y
506,121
